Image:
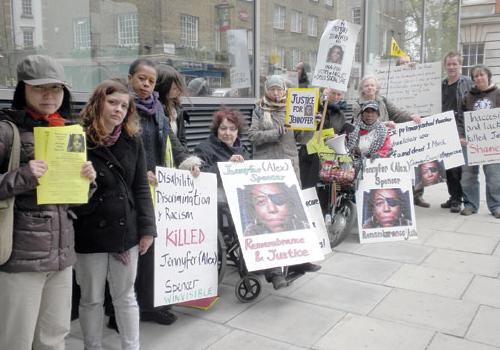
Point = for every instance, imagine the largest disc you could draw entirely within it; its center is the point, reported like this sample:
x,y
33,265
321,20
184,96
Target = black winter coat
x,y
121,209
213,150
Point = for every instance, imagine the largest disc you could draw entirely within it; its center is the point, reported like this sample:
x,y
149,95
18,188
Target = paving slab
x,y
463,242
287,320
482,227
430,280
359,267
246,341
485,291
443,314
486,326
360,332
448,342
441,223
349,245
341,293
480,264
405,253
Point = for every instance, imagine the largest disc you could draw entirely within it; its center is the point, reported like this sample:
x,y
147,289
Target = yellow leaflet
x,y
314,147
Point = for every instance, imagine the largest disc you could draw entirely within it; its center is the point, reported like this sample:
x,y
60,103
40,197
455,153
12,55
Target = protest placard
x,y
384,200
63,149
239,71
186,246
335,55
416,88
482,130
313,207
435,138
301,108
268,212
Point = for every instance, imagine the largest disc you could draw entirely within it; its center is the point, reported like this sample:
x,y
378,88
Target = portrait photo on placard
x,y
429,173
270,208
335,54
386,207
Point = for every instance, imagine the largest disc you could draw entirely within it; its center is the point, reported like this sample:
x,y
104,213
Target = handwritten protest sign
x,y
415,88
385,202
63,149
301,108
239,72
435,138
267,209
311,203
335,55
186,246
482,130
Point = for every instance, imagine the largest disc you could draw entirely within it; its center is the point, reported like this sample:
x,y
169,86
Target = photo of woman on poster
x,y
335,54
270,208
429,173
386,207
76,143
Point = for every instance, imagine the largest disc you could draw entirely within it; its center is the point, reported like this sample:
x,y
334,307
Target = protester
x,y
268,133
453,89
370,137
171,87
387,209
155,129
198,87
118,223
302,69
483,95
36,282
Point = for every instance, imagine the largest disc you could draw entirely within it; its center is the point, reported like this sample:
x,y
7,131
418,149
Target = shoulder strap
x,y
15,152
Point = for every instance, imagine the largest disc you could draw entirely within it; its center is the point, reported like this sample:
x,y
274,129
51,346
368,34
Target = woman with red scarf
x,y
36,282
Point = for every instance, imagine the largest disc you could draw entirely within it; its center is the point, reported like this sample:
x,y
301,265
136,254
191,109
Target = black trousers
x,y
453,177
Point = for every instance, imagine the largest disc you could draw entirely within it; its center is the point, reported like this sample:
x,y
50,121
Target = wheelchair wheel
x,y
221,257
343,221
248,288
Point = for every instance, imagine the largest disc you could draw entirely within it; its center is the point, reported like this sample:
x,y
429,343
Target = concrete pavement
x,y
439,292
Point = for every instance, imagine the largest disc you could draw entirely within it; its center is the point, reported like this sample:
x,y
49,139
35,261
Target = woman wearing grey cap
x,y
36,282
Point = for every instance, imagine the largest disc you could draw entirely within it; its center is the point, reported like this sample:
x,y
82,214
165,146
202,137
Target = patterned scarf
x,y
53,119
111,139
149,104
378,142
269,107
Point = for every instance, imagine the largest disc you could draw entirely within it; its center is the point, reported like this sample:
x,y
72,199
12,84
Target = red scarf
x,y
54,119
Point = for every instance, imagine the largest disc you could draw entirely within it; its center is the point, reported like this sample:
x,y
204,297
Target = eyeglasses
x,y
47,88
392,202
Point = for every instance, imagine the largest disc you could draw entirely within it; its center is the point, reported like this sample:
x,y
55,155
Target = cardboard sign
x,y
317,220
482,130
301,108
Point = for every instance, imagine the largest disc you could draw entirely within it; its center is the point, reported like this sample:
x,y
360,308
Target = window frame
x,y
79,36
312,26
27,8
192,26
31,32
279,17
128,40
468,64
296,21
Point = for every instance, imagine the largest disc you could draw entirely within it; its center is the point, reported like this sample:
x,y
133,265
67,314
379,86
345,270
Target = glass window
x,y
356,15
28,41
27,8
128,32
312,26
279,17
329,2
81,34
296,22
189,31
296,58
472,54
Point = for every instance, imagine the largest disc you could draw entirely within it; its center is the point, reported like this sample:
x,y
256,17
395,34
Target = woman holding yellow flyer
x,y
118,223
36,281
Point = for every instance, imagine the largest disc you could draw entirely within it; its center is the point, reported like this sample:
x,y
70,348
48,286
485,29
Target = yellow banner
x,y
396,50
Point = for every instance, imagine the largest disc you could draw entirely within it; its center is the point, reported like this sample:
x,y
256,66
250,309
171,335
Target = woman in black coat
x,y
118,223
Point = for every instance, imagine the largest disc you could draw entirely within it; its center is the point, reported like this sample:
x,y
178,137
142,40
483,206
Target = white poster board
x,y
186,246
301,108
267,208
311,203
482,130
416,88
435,138
335,55
237,46
384,200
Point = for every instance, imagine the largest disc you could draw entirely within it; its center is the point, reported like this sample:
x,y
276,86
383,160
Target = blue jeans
x,y
470,186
